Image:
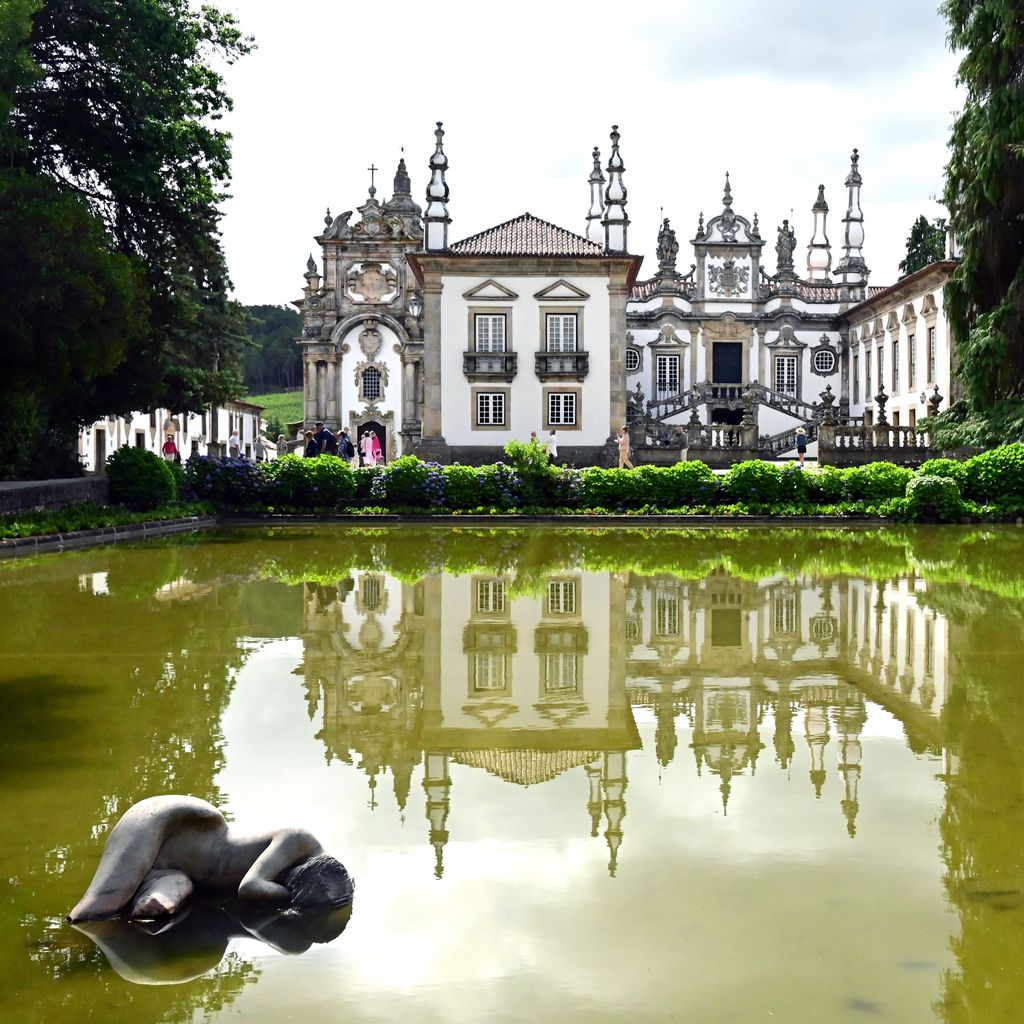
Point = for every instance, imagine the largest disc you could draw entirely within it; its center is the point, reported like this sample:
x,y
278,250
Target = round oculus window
x,y
824,361
632,360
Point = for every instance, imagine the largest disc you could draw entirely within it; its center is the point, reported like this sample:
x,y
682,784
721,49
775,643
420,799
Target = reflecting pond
x,y
585,775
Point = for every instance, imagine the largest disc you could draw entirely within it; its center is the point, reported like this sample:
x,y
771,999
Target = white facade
x,y
195,433
900,340
531,313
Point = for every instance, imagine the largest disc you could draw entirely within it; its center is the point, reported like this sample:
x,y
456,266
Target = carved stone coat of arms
x,y
728,279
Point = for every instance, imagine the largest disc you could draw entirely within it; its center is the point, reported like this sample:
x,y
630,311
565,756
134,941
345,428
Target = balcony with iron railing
x,y
562,365
490,366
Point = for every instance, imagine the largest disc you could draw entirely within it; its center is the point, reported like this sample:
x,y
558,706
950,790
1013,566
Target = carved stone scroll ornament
x,y
371,282
381,368
339,227
370,341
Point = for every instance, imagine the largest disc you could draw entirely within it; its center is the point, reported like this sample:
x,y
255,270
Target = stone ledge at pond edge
x,y
20,547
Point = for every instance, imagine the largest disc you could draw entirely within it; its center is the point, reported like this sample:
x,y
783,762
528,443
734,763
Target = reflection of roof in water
x,y
525,767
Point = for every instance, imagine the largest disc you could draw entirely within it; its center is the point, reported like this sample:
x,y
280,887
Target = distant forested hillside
x,y
273,361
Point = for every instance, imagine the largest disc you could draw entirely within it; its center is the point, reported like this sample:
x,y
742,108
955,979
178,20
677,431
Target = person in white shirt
x,y
234,444
552,446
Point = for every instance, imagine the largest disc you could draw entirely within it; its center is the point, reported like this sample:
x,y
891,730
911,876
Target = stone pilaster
x,y
618,293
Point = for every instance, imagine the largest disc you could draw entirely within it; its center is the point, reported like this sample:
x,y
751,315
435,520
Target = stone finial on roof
x,y
852,270
328,218
819,251
310,265
615,221
596,211
403,184
436,219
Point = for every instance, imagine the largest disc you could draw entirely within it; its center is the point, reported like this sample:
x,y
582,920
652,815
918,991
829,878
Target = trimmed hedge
x,y
140,479
989,486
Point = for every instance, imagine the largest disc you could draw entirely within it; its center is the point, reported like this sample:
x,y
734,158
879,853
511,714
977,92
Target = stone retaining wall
x,y
26,495
21,547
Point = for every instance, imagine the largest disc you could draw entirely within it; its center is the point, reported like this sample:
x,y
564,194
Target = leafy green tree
x,y
984,193
273,361
926,244
58,350
113,105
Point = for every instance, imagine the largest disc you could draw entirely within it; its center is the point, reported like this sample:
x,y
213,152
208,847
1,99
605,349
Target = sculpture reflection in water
x,y
529,681
194,941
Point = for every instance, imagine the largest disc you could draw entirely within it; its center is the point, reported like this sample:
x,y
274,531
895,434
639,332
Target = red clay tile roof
x,y
526,235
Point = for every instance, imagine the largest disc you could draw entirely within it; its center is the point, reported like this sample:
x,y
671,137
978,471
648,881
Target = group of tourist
x,y
323,441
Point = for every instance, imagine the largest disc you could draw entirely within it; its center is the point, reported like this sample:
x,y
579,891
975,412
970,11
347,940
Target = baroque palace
x,y
449,349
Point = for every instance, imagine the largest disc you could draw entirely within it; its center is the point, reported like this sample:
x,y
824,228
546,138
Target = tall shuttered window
x,y
785,375
561,332
490,332
667,376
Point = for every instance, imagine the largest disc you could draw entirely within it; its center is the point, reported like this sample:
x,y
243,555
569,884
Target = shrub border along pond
x,y
986,488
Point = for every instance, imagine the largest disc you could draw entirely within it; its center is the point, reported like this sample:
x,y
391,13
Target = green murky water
x,y
578,775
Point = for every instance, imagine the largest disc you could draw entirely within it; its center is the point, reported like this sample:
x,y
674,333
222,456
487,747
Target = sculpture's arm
x,y
288,848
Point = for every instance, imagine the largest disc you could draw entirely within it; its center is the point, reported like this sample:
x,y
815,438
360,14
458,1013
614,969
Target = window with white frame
x,y
488,670
561,332
562,408
895,367
867,378
490,332
911,362
856,377
931,355
490,408
632,360
785,375
490,596
783,613
371,384
562,597
560,672
667,376
881,366
666,614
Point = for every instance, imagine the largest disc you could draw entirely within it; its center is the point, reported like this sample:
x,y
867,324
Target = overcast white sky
x,y
777,92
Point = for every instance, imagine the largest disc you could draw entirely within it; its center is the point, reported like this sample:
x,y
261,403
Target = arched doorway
x,y
371,427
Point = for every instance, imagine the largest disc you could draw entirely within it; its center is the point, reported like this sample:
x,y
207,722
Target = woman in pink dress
x,y
375,450
366,448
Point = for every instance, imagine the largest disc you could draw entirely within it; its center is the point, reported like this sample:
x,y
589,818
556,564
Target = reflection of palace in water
x,y
472,670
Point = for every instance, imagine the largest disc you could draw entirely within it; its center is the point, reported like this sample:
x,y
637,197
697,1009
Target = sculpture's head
x,y
319,883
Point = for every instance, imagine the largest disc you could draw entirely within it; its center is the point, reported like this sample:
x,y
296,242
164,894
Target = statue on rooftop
x,y
668,248
784,249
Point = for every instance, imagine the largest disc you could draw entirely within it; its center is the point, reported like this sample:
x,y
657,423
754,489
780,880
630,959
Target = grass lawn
x,y
283,406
